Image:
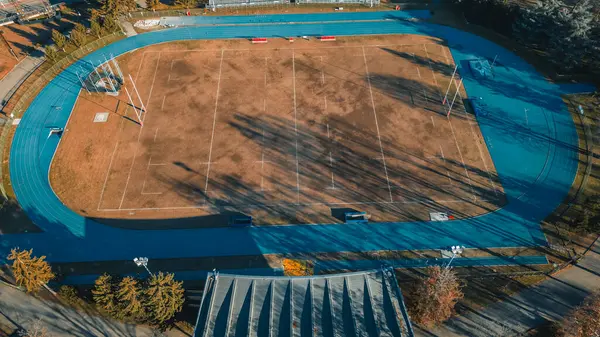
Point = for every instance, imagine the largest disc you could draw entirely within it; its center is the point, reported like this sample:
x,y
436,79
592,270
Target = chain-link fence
x,y
250,4
25,99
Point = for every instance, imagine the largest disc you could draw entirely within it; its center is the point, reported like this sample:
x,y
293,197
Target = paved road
x,y
17,76
550,300
19,310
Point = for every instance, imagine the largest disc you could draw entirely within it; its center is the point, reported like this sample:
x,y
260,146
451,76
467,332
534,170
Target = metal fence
x,y
254,4
214,4
33,89
369,3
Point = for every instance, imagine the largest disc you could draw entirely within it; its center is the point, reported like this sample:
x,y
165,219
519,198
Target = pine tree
x,y
187,3
130,299
164,296
95,28
32,273
114,8
109,24
52,55
152,4
78,38
104,294
59,39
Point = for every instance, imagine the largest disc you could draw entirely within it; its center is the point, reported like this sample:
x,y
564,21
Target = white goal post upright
x,y
494,62
137,93
109,77
449,85
97,74
116,65
453,99
82,83
138,114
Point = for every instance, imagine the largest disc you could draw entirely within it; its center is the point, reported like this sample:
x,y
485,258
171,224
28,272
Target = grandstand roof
x,y
366,303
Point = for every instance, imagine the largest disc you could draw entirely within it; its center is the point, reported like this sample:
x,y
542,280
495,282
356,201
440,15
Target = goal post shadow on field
x,y
108,78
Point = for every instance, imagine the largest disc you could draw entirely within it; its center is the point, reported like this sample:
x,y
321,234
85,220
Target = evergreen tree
x,y
114,8
52,55
104,294
109,24
59,39
164,297
95,27
187,3
78,38
152,4
130,299
30,272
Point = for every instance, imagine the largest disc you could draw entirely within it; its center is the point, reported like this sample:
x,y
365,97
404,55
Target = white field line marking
x,y
445,54
455,201
449,178
155,134
113,154
432,121
288,48
432,72
144,187
107,174
140,66
416,66
477,143
330,160
162,106
296,128
377,124
212,136
462,160
442,152
171,70
262,163
139,134
322,72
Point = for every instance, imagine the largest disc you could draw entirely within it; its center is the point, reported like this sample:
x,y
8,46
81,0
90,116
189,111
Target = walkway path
x,y
17,76
19,310
550,300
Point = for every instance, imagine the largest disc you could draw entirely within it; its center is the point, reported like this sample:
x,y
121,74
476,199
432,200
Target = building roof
x,y
366,303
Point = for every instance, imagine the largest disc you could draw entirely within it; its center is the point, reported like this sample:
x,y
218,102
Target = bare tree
x,y
583,321
37,329
435,296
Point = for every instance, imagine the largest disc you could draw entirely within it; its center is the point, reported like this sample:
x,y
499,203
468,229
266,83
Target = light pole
x,y
456,250
142,261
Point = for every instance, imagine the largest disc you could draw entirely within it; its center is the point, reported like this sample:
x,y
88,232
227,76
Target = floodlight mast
x,y
456,250
142,262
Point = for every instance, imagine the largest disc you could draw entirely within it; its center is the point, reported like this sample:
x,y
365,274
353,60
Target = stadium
x,y
252,136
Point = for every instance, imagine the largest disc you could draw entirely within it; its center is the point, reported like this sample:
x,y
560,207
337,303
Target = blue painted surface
x,y
187,275
295,18
536,162
421,263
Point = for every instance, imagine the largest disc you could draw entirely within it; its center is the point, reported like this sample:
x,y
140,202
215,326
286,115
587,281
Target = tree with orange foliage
x,y
435,296
297,268
583,321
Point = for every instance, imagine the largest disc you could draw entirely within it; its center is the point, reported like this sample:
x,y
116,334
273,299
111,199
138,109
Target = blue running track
x,y
535,159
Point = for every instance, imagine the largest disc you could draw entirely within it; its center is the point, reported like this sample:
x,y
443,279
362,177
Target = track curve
x,y
536,161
